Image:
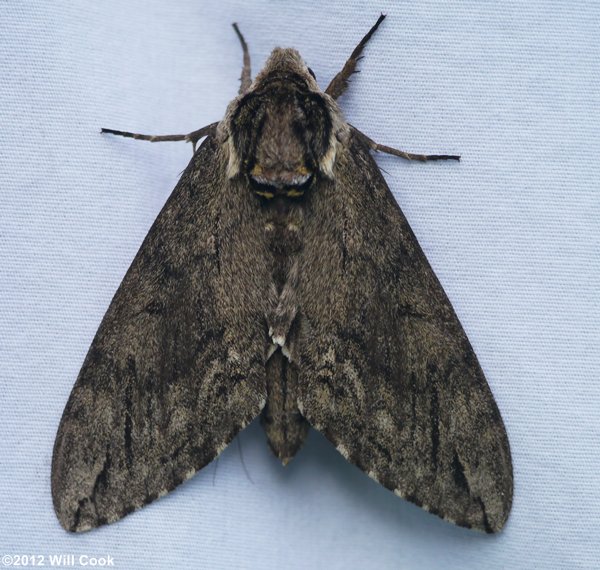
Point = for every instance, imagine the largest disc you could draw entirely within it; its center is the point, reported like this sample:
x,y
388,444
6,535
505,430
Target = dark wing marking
x,y
177,366
387,373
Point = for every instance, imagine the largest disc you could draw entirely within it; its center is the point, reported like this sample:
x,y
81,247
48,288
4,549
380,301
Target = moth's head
x,y
284,132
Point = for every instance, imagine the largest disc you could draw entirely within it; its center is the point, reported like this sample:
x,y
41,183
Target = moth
x,y
282,280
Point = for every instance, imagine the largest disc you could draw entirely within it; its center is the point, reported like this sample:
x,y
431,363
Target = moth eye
x,y
312,73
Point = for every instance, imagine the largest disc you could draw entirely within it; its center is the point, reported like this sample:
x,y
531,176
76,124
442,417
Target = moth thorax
x,y
290,138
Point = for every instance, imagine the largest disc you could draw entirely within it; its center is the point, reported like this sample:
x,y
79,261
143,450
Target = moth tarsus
x,y
282,280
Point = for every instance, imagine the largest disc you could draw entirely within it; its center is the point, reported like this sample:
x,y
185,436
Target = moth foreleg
x,y
339,83
246,78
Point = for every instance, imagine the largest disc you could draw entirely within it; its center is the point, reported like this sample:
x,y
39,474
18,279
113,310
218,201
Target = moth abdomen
x,y
281,419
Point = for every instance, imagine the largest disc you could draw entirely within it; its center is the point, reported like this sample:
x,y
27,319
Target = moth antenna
x,y
401,153
246,78
339,83
192,137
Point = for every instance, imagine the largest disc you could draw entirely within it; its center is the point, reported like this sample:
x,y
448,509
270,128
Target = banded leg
x,y
339,83
195,136
192,137
246,78
401,153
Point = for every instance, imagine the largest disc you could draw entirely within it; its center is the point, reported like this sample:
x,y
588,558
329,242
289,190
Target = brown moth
x,y
281,280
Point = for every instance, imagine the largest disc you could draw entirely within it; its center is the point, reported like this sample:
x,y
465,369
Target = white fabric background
x,y
512,231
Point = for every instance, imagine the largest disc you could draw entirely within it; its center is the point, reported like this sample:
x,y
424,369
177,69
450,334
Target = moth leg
x,y
339,83
192,137
246,78
401,153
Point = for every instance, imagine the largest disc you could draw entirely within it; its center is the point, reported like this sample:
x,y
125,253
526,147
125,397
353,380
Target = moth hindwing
x,y
281,279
